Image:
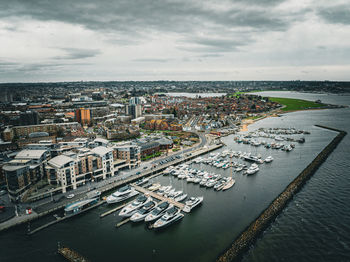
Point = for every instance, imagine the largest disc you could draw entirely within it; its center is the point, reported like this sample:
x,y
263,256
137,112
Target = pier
x,y
123,222
161,198
71,255
248,237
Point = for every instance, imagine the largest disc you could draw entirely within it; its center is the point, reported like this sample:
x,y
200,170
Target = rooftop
x,y
101,150
30,154
60,161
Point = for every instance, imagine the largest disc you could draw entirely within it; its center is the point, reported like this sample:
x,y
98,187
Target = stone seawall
x,y
250,234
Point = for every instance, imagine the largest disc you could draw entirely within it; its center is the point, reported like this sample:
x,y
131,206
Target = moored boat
x,y
171,216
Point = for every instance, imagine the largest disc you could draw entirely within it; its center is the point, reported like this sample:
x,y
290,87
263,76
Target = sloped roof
x,y
101,150
60,160
30,154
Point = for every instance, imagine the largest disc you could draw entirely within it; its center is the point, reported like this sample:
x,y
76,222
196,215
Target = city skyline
x,y
174,40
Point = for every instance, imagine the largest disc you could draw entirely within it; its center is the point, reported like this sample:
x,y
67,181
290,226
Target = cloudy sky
x,y
72,40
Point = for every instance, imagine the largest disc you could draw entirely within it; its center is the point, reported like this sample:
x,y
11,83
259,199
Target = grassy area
x,y
253,117
295,104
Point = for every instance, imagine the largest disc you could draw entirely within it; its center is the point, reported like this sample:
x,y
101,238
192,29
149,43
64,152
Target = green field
x,y
295,104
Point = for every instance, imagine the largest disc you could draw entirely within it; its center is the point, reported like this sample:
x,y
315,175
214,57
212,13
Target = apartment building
x,y
27,168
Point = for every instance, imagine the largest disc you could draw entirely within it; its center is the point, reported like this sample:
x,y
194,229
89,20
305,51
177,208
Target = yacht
x,y
141,181
252,169
158,211
154,187
229,183
121,194
162,190
132,208
143,212
171,215
180,197
192,203
269,159
219,185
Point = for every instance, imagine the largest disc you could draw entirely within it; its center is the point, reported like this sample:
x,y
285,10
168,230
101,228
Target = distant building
x,y
134,110
83,116
134,101
29,118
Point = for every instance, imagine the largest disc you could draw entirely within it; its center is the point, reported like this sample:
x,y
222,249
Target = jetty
x,y
161,198
71,255
122,222
248,237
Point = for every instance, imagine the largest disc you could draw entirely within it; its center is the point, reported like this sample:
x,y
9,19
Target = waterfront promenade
x,y
107,186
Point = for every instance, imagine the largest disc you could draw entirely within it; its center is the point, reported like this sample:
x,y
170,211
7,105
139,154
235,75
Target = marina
x,y
241,193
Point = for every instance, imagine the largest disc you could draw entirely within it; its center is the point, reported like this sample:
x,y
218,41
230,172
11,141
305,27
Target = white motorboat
x,y
132,208
143,212
154,187
158,211
252,169
269,159
121,194
192,203
180,197
171,216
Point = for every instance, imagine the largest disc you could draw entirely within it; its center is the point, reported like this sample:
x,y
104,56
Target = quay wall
x,y
252,232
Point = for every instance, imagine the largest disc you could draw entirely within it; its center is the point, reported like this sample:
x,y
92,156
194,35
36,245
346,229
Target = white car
x,y
70,196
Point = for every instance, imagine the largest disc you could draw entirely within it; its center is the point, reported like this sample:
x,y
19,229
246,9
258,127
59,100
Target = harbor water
x,y
312,228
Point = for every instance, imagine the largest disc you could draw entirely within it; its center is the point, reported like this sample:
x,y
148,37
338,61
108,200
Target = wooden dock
x,y
71,255
161,198
122,222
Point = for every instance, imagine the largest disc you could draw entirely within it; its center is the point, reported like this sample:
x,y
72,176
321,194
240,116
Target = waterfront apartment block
x,y
24,170
71,170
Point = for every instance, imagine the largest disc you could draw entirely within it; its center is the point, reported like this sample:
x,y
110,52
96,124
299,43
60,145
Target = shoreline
x,y
250,234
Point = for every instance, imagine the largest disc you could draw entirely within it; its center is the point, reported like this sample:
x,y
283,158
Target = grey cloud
x,y
339,14
78,53
138,19
259,2
16,67
156,60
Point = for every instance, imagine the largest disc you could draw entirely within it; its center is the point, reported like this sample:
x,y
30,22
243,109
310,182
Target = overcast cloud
x,y
174,39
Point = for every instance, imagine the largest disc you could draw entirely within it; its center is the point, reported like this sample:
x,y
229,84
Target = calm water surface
x,y
313,227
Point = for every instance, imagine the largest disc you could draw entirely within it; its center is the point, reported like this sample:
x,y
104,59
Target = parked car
x,y
138,173
3,192
70,196
145,167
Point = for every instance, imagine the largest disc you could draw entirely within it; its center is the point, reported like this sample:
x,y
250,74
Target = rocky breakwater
x,y
250,234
